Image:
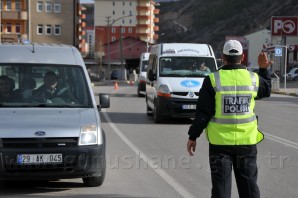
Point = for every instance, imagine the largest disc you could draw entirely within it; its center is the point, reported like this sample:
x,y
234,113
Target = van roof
x,y
182,49
39,53
145,56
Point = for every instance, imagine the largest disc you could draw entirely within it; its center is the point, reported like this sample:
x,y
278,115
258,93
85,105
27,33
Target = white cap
x,y
232,45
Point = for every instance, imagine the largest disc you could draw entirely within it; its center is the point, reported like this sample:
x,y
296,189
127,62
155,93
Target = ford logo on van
x,y
190,83
40,133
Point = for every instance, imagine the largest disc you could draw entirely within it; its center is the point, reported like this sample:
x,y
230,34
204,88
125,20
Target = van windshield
x,y
186,66
43,85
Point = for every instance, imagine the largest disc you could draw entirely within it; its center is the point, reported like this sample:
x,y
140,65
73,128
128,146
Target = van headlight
x,y
164,91
88,135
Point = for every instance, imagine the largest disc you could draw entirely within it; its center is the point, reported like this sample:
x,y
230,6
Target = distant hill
x,y
203,21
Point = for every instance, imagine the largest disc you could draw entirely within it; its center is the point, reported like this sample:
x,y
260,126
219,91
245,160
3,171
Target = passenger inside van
x,y
203,67
6,90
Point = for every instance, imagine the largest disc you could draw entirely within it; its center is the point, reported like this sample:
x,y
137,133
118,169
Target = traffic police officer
x,y
225,108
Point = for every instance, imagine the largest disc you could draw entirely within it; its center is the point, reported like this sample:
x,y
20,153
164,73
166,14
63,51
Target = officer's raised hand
x,y
263,61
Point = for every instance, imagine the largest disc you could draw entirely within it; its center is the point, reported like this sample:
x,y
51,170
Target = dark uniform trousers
x,y
242,159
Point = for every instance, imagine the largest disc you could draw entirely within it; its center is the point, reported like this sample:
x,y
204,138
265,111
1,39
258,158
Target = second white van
x,y
142,73
175,75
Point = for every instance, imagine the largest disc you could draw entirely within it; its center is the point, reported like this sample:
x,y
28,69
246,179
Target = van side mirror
x,y
151,75
104,101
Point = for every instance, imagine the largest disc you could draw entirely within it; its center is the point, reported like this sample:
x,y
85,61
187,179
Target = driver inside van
x,y
51,89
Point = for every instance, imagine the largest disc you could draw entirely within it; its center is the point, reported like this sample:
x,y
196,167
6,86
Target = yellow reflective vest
x,y
234,122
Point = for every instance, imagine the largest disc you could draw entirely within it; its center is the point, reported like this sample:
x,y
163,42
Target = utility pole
x,y
1,21
109,32
121,54
109,65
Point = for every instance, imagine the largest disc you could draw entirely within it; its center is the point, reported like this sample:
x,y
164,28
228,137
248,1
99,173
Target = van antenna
x,y
33,51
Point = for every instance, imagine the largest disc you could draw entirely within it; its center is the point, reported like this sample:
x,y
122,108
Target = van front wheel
x,y
93,181
156,115
148,109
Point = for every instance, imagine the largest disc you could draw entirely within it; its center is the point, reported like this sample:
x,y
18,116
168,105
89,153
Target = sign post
x,y
278,52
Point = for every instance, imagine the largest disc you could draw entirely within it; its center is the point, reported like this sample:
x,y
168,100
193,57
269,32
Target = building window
x,y
130,12
130,3
130,21
130,30
18,28
113,12
39,6
57,30
122,30
113,38
123,12
123,3
113,30
8,4
1,27
49,7
1,5
57,7
48,29
113,3
8,27
18,5
123,21
39,29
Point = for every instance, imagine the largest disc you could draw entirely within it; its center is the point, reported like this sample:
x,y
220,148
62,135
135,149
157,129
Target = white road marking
x,y
281,140
163,174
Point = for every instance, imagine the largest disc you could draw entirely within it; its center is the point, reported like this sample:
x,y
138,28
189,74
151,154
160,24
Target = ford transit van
x,y
50,126
142,74
174,78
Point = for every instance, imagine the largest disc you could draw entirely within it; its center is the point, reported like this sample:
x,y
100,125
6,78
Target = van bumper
x,y
78,162
173,107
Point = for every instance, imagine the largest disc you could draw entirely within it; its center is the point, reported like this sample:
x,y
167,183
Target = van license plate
x,y
189,106
55,158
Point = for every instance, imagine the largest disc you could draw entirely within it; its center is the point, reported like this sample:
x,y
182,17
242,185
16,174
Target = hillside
x,y
204,21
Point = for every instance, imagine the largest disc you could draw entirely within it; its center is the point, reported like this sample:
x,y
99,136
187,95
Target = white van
x,y
49,121
174,78
142,74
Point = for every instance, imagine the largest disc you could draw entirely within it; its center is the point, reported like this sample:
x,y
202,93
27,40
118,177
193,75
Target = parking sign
x,y
278,51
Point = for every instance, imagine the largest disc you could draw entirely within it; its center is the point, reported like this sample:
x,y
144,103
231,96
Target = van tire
x,y
98,180
156,115
148,109
93,181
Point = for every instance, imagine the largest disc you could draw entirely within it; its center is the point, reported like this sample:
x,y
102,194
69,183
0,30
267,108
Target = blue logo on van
x,y
190,83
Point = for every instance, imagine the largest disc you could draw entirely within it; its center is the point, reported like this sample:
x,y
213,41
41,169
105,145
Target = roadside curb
x,y
291,93
111,82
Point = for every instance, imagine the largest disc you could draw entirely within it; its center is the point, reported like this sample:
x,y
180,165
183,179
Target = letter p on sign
x,y
277,26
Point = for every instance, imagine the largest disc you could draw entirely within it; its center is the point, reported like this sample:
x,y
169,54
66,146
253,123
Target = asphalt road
x,y
147,160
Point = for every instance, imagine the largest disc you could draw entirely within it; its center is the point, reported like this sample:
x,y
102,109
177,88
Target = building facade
x,y
14,20
43,21
115,19
257,40
54,21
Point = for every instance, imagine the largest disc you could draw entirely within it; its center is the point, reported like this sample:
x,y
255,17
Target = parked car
x,y
293,74
115,75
